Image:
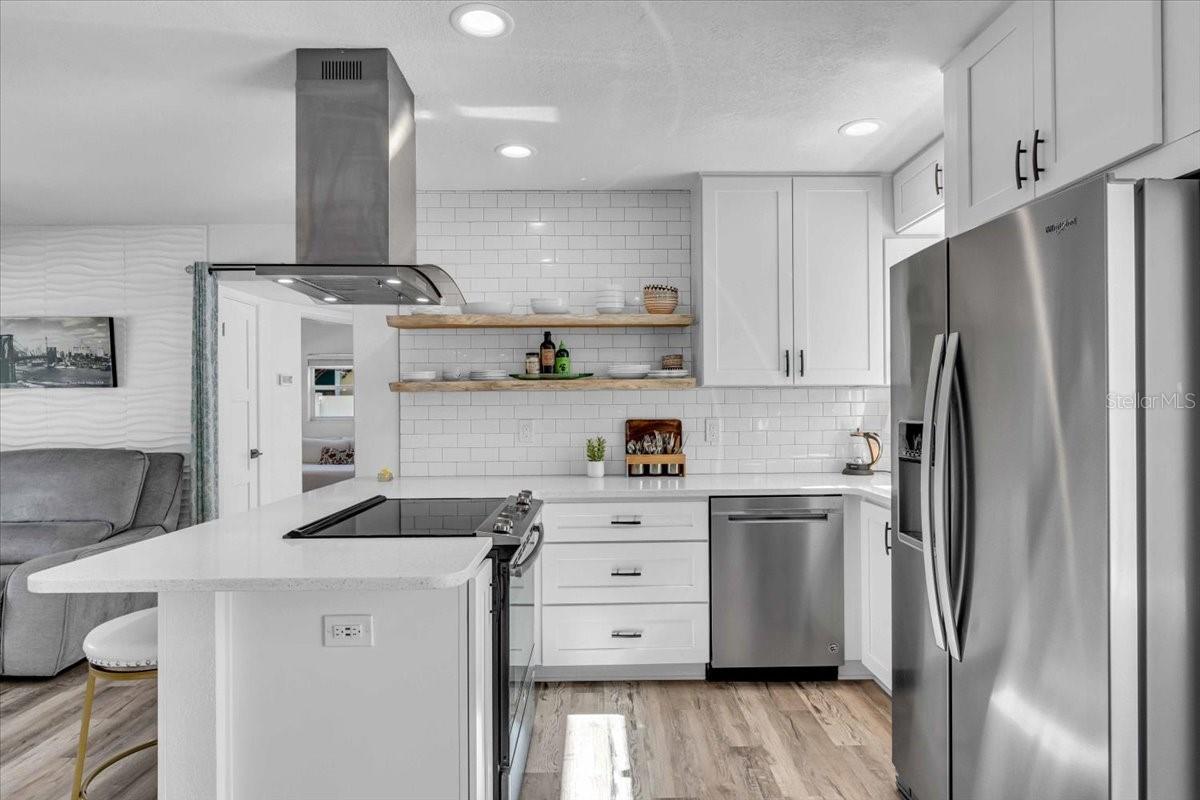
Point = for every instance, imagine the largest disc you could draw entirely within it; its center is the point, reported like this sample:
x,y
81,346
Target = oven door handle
x,y
518,568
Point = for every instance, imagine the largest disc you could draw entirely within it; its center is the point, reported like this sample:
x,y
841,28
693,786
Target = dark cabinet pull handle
x,y
787,363
1017,164
887,538
636,572
1037,139
626,634
633,521
937,173
801,363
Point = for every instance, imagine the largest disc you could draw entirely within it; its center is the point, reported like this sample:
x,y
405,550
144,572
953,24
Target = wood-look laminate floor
x,y
649,740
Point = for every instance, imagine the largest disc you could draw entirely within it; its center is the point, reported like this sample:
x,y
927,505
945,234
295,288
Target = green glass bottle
x,y
562,360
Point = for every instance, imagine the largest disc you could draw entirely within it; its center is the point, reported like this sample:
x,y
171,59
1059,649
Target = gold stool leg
x,y
88,696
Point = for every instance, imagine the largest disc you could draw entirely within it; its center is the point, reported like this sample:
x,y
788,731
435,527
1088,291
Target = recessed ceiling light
x,y
284,281
515,150
481,20
422,299
860,127
329,299
394,281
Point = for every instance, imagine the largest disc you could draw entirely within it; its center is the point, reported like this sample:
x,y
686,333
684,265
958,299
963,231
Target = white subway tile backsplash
x,y
512,246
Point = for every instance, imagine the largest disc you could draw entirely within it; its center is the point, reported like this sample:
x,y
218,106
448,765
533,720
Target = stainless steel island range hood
x,y
356,188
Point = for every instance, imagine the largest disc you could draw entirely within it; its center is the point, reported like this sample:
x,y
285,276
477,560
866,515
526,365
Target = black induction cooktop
x,y
380,517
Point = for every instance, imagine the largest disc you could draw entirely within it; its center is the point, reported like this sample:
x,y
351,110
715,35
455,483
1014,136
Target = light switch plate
x,y
348,630
712,431
285,380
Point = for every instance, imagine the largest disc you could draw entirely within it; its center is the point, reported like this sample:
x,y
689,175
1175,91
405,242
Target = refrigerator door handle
x,y
941,457
927,531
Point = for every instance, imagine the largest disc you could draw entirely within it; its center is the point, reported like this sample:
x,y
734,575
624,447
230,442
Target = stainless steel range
x,y
515,528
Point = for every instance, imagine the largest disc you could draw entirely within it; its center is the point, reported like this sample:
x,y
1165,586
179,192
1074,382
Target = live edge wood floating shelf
x,y
514,385
428,321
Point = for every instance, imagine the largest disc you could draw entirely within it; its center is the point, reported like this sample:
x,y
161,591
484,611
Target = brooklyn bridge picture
x,y
57,352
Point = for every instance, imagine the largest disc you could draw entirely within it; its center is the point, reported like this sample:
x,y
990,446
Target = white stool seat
x,y
129,642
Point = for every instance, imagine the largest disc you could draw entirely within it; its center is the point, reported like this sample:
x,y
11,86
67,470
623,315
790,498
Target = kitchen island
x,y
252,704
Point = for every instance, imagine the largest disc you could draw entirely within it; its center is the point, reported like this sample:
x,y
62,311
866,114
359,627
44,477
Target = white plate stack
x,y
627,371
668,373
419,375
610,300
488,374
436,310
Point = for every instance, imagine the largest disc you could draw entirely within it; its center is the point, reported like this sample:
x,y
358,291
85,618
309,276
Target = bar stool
x,y
122,649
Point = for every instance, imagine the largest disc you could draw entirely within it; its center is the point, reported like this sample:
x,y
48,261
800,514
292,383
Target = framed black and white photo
x,y
57,352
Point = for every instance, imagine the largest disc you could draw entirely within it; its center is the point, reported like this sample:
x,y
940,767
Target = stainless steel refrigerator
x,y
1047,531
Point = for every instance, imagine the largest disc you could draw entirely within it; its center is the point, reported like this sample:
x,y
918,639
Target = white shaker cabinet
x,y
789,272
988,97
837,281
745,280
1049,93
876,564
1097,86
919,187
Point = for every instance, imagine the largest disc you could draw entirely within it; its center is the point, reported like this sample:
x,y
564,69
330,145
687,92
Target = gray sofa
x,y
61,505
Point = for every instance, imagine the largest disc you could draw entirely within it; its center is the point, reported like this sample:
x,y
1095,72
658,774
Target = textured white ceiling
x,y
182,112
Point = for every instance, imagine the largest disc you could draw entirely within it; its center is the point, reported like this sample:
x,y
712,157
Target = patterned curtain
x,y
204,394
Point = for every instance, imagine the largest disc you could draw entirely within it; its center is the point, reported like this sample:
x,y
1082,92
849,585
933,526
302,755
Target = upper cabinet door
x,y
989,102
837,240
1097,85
919,187
746,270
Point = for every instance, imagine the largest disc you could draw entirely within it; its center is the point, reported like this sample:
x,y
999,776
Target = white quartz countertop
x,y
246,551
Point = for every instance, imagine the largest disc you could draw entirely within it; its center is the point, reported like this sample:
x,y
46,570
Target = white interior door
x,y
1097,85
237,398
837,244
989,100
746,319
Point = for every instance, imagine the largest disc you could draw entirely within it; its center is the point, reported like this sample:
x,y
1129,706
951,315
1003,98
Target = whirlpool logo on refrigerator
x,y
1062,225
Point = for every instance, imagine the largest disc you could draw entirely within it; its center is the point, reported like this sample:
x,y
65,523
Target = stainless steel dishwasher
x,y
776,587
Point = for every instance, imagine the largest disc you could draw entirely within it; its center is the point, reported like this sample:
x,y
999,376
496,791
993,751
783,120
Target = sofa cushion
x,y
6,570
21,541
71,485
310,448
162,492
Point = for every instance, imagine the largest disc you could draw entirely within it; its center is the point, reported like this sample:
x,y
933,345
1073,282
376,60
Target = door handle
x,y
937,173
1037,139
255,452
626,634
1017,164
787,363
941,453
617,572
928,434
887,538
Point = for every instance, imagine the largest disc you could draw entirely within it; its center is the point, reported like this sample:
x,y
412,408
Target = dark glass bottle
x,y
562,360
546,355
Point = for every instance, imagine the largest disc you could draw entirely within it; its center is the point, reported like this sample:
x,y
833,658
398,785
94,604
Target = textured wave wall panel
x,y
136,274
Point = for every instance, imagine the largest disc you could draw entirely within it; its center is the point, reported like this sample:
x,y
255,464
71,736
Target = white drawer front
x,y
625,572
616,520
669,633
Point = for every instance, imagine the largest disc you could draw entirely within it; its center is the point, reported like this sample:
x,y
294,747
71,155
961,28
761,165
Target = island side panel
x,y
311,722
192,723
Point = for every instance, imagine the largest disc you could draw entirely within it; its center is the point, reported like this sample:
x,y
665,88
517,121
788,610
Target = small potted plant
x,y
595,457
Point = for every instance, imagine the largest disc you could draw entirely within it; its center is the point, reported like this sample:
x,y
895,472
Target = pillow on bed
x,y
337,455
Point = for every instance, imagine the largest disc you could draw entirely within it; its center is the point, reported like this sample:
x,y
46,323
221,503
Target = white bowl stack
x,y
628,371
548,305
488,374
610,300
419,375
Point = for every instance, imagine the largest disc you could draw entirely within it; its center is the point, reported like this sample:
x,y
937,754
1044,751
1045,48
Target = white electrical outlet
x,y
525,431
348,630
712,431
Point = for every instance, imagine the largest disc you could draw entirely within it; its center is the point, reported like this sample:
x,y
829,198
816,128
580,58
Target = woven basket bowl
x,y
660,300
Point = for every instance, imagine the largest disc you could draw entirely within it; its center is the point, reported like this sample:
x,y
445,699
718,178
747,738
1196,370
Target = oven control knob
x,y
525,498
502,524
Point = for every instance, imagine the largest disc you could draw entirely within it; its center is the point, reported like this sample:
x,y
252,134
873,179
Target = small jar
x,y
533,364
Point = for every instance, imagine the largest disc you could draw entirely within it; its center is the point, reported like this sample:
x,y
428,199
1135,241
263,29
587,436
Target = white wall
x,y
322,339
515,245
136,274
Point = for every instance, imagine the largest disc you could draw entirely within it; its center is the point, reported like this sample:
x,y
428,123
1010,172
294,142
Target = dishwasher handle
x,y
778,516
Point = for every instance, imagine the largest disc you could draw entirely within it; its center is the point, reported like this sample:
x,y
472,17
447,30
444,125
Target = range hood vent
x,y
356,186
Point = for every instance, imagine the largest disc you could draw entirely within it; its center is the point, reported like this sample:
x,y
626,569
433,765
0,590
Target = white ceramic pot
x,y
595,469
